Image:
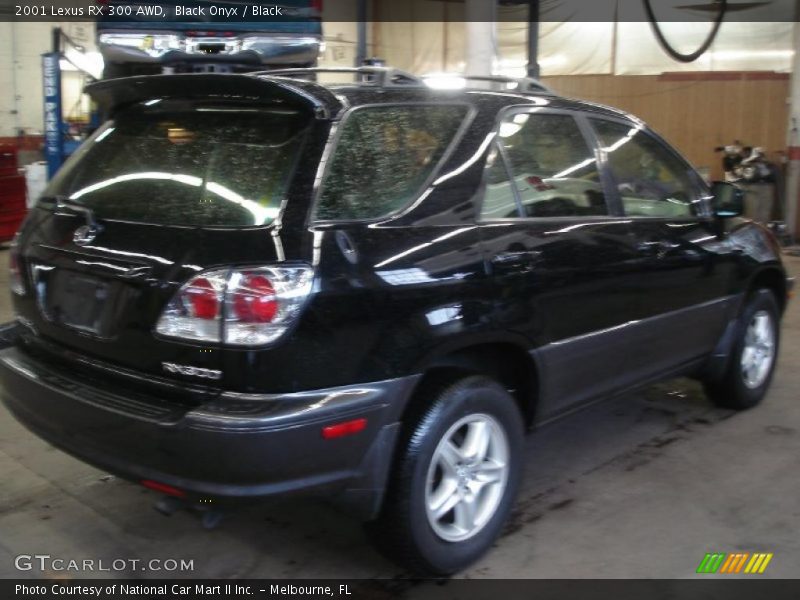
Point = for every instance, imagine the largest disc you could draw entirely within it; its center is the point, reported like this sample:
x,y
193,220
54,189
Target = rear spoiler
x,y
114,94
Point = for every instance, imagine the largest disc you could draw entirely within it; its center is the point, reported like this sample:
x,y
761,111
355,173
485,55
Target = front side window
x,y
383,157
555,172
186,165
652,181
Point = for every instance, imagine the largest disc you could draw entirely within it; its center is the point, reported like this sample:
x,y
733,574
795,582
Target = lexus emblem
x,y
84,235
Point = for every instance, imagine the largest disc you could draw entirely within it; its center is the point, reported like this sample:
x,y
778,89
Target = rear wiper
x,y
64,203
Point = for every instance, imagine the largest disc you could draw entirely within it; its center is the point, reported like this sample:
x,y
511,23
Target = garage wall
x,y
696,111
22,44
6,80
21,47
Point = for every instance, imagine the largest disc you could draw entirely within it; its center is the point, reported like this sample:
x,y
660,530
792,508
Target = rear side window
x,y
555,171
383,157
201,166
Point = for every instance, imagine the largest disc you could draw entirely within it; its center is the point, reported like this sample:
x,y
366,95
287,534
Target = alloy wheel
x,y
758,353
467,477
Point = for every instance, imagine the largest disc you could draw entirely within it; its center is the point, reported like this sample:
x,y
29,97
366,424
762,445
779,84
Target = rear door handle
x,y
515,259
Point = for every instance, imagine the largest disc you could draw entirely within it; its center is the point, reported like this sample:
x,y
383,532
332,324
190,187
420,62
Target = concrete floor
x,y
640,486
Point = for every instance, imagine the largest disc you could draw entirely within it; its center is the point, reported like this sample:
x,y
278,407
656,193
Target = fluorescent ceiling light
x,y
445,81
750,54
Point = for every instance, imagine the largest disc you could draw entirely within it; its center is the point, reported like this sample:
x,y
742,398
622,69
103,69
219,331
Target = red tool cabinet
x,y
12,193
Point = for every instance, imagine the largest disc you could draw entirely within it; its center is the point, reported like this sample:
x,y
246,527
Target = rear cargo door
x,y
164,191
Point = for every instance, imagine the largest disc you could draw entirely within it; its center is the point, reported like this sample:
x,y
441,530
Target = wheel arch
x,y
773,278
506,361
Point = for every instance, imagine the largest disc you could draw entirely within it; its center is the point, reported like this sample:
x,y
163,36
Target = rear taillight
x,y
254,299
238,307
15,280
317,5
195,313
262,304
202,298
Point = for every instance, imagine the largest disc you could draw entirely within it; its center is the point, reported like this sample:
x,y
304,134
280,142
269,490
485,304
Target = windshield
x,y
199,166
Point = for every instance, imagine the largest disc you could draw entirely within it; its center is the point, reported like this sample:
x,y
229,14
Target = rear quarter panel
x,y
385,299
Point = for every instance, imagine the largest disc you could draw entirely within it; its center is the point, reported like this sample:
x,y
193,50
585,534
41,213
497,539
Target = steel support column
x,y
361,45
533,39
481,37
793,139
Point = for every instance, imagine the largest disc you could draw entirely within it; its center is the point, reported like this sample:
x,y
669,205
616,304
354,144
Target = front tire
x,y
752,361
455,479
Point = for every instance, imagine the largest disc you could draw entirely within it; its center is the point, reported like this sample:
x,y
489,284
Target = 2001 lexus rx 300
x,y
244,286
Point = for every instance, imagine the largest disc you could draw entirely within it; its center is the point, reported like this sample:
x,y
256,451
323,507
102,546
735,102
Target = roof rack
x,y
389,77
523,84
372,76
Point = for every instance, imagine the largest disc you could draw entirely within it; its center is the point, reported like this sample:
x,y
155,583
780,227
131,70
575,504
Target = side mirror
x,y
728,200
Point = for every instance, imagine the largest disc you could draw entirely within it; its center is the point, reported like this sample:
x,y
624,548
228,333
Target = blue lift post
x,y
53,115
56,147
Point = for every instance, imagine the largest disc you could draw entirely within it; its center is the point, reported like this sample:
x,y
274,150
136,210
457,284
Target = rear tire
x,y
454,480
752,361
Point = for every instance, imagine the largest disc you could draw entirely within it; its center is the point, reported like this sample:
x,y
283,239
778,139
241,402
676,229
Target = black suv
x,y
250,285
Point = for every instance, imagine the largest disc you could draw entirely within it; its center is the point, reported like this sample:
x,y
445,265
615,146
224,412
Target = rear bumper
x,y
237,446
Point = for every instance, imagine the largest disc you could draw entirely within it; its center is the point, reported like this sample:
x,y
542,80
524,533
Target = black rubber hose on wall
x,y
686,58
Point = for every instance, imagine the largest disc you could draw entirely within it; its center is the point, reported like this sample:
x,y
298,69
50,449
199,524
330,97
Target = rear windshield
x,y
199,166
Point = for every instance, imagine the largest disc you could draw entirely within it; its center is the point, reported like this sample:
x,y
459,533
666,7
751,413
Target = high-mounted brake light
x,y
239,307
